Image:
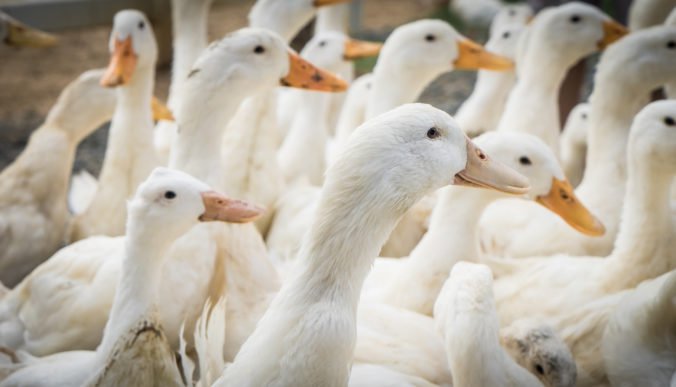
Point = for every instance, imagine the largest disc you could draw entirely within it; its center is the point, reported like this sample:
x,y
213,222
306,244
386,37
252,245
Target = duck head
x,y
652,140
132,47
331,49
174,202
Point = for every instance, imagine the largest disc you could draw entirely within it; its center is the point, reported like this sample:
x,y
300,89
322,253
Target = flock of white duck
x,y
372,243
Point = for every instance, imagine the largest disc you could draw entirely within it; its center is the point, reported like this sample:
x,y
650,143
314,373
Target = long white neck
x,y
393,87
136,294
189,19
197,147
304,149
250,143
130,141
309,331
453,232
603,184
481,112
645,243
532,106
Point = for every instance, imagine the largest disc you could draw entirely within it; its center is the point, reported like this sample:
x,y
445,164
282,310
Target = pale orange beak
x,y
482,172
161,111
562,201
356,49
473,56
305,75
323,3
218,207
122,64
612,32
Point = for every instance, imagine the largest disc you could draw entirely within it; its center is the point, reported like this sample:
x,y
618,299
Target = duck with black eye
x,y
141,25
430,38
259,49
433,133
169,195
575,19
524,160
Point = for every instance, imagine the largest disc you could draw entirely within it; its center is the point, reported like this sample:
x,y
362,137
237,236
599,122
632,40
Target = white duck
x,y
15,33
574,143
648,13
431,47
307,335
481,111
135,349
73,291
466,316
511,14
129,156
645,244
639,343
250,140
554,41
33,189
622,86
414,283
189,23
302,153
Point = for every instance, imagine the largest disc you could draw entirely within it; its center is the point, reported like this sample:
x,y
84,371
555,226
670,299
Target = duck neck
x,y
532,105
646,232
387,94
611,113
130,140
136,294
453,232
190,39
251,143
197,147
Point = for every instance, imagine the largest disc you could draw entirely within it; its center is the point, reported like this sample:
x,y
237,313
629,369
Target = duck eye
x,y
524,160
169,195
539,369
575,19
505,35
512,12
430,38
671,44
259,49
322,43
141,25
433,133
669,121
584,116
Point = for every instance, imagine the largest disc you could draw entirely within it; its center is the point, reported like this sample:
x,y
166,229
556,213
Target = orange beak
x,y
612,32
122,64
305,75
473,56
218,207
562,201
356,49
161,111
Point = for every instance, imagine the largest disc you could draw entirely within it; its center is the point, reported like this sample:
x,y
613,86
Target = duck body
x,y
34,187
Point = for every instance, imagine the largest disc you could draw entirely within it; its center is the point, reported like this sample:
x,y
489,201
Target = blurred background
x,y
31,79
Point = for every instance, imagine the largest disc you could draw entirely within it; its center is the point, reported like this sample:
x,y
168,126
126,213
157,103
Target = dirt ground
x,y
31,79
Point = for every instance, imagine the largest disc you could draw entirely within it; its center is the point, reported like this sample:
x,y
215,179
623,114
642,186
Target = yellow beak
x,y
122,64
473,56
612,31
218,207
161,111
21,35
562,201
304,75
356,49
482,172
